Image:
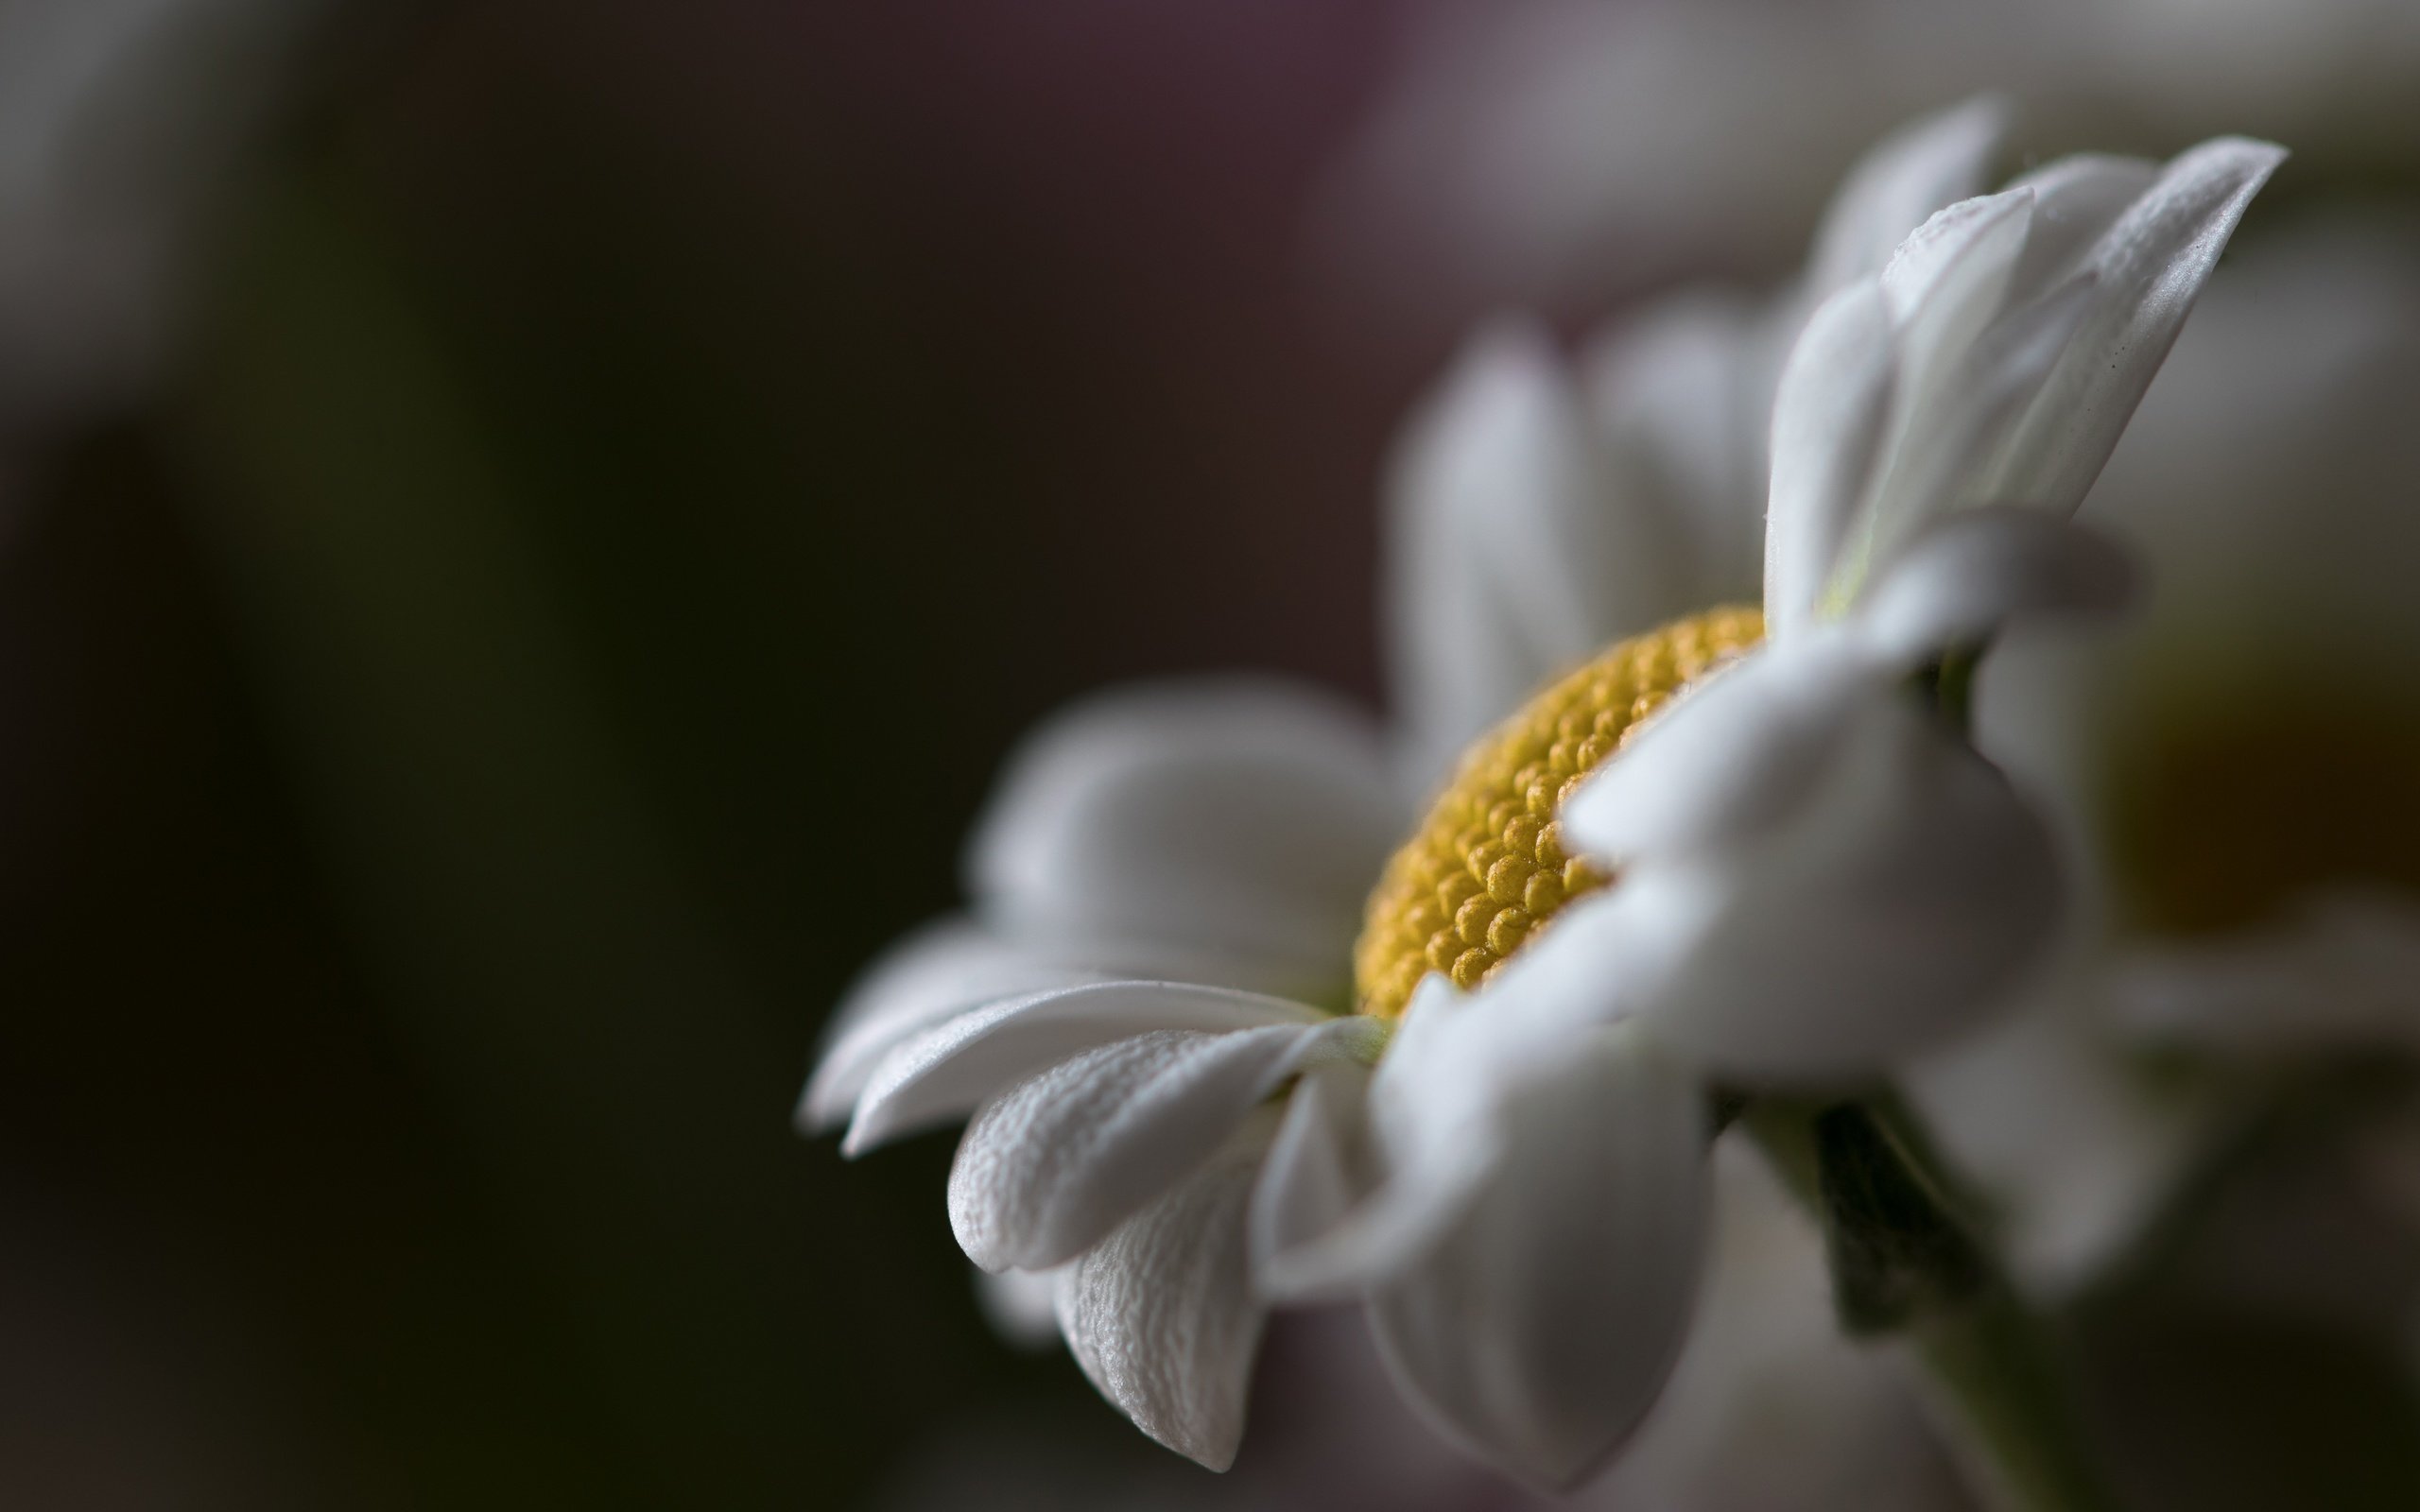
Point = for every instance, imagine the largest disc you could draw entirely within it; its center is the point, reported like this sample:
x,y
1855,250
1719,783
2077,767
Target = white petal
x,y
1944,285
1160,1315
1442,1104
2151,265
932,976
1516,558
1828,420
1022,1306
1736,755
1898,185
1960,581
1434,1120
2073,1192
1683,397
2076,200
1901,907
1222,814
1540,1330
1049,1167
1979,397
2342,970
943,1073
1317,1171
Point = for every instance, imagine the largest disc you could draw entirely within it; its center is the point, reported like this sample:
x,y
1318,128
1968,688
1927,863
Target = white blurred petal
x,y
1317,1170
1682,398
2075,1150
1733,756
1897,909
943,1073
2343,970
1966,577
1160,1314
1900,184
1022,1306
1435,1138
1835,398
1539,1330
1233,815
2151,265
1516,558
1825,1422
1050,1166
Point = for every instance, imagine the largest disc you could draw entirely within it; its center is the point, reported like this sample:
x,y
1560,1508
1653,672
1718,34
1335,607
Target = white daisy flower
x,y
1800,870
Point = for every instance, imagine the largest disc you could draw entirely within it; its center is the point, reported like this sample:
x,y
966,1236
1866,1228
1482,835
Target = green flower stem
x,y
1904,1261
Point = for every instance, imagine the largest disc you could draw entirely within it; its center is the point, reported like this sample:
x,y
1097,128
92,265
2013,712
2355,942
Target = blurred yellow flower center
x,y
1486,868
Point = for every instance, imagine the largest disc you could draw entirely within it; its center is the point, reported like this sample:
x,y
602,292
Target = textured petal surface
x,y
1160,1315
1829,415
1539,1330
1048,1169
1238,817
943,1073
2151,264
1897,909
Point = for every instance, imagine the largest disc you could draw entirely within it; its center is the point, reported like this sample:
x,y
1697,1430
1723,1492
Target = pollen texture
x,y
1486,868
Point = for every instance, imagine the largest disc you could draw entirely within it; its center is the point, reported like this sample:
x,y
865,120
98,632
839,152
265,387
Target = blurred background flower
x,y
530,526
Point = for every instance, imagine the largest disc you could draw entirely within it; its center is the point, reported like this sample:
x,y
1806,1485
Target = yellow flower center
x,y
1486,868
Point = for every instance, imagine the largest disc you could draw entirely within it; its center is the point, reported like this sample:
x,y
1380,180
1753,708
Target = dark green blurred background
x,y
632,470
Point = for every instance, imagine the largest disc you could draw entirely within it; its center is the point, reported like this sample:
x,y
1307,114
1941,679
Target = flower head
x,y
1742,846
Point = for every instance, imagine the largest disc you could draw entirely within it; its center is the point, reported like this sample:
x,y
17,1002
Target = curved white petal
x,y
1736,755
1900,908
1442,1102
1539,1330
1835,398
943,1073
1980,394
1946,285
1160,1314
926,979
1317,1171
2152,263
1515,557
1046,1169
1434,1137
1898,185
2076,200
1233,815
1964,578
